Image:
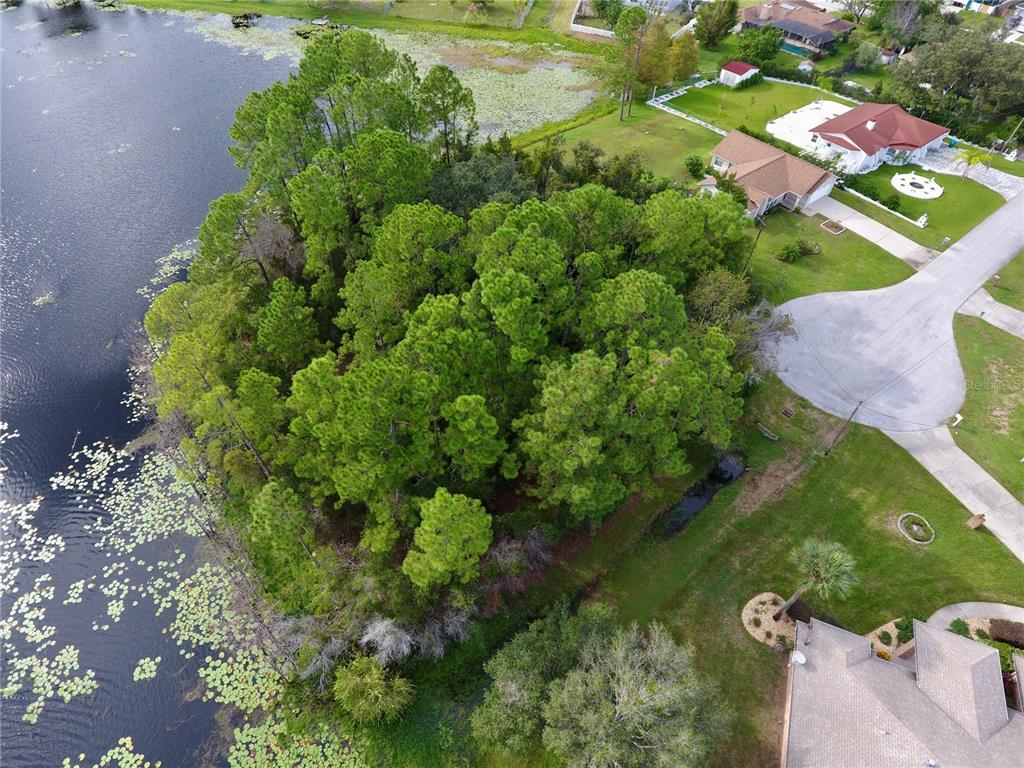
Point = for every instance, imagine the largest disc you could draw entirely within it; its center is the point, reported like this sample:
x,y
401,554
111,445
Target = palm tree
x,y
972,156
824,568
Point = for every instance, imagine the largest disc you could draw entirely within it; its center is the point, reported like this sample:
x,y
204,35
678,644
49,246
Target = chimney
x,y
871,125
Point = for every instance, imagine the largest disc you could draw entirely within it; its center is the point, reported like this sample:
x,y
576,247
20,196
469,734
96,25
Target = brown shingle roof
x,y
798,11
892,128
766,172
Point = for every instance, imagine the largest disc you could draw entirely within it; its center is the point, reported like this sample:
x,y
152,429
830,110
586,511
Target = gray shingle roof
x,y
963,677
850,709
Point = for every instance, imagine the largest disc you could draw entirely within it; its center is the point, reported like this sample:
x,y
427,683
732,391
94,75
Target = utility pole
x,y
992,149
760,229
842,429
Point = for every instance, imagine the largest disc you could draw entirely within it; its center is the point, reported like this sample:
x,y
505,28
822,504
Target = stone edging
x,y
907,536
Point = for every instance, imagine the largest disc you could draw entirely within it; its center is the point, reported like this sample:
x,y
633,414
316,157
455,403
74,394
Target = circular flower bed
x,y
916,528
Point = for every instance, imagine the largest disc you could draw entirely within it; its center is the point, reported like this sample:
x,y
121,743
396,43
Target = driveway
x,y
944,160
898,245
982,305
887,358
963,477
976,610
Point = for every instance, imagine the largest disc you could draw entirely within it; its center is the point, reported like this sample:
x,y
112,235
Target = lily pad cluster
x,y
271,743
145,669
121,756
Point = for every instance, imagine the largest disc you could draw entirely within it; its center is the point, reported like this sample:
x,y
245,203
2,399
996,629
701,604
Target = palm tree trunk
x,y
786,605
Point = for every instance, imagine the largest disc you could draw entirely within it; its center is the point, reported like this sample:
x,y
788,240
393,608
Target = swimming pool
x,y
796,50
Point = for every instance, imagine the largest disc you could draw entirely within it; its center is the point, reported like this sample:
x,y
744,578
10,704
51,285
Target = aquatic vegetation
x,y
170,266
145,669
271,744
121,756
144,505
21,542
48,678
245,680
516,86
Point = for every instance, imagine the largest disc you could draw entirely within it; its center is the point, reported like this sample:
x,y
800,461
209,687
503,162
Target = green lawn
x,y
928,236
411,16
698,582
711,58
1010,288
1014,167
992,431
847,262
963,204
754,106
664,140
1007,166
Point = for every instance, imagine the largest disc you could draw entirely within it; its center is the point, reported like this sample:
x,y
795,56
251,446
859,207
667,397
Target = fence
x,y
886,208
814,87
583,28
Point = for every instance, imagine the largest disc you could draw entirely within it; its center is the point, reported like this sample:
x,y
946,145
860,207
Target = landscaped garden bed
x,y
759,621
915,528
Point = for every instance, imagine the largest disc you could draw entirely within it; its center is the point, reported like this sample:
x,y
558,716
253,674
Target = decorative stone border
x,y
907,536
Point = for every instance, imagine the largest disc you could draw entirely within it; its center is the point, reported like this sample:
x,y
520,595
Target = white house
x,y
863,138
735,72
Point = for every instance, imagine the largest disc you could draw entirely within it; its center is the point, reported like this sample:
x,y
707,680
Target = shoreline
x,y
293,9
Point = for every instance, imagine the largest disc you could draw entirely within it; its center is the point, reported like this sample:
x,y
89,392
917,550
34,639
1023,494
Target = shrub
x,y
981,634
757,621
904,630
1006,652
754,79
696,166
885,637
808,247
789,253
862,185
883,653
892,202
785,643
959,627
1011,632
368,694
768,635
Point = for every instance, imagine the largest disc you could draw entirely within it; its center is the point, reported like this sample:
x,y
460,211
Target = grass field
x,y
963,204
755,106
992,431
928,236
664,140
847,262
698,582
413,16
1010,288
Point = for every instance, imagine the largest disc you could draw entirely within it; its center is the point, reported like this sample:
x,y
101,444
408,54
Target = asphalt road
x,y
888,356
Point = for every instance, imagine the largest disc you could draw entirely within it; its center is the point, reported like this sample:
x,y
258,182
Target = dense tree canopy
x,y
395,373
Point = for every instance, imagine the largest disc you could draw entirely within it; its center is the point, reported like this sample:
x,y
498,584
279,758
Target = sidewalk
x,y
975,610
898,245
975,488
991,311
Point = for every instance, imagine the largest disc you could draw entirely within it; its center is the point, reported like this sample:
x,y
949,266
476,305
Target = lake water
x,y
114,129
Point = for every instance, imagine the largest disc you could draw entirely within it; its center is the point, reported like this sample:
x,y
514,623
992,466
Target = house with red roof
x,y
864,137
735,72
